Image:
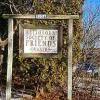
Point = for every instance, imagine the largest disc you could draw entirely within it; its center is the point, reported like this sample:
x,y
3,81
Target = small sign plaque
x,y
41,16
40,40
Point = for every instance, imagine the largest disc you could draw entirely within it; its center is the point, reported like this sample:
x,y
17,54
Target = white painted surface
x,y
40,41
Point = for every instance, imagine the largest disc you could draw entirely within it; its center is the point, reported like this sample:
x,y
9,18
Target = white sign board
x,y
40,40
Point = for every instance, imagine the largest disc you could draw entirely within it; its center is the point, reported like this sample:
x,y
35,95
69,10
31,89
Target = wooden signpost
x,y
10,59
42,39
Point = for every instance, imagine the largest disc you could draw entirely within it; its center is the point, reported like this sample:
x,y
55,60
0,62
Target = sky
x,y
92,3
91,8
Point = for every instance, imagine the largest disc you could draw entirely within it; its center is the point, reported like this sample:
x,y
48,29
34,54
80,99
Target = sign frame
x,y
39,55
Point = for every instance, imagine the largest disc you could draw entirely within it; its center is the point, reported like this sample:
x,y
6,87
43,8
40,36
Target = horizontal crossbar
x,y
40,16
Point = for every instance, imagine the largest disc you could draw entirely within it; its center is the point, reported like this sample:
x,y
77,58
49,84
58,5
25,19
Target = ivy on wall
x,y
46,73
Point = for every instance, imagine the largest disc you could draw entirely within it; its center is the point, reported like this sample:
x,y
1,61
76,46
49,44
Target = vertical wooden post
x,y
70,34
10,59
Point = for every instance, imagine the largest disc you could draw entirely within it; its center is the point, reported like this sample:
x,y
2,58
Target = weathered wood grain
x,y
10,59
40,16
70,34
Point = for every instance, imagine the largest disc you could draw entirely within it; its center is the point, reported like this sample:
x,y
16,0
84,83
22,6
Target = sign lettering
x,y
40,40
